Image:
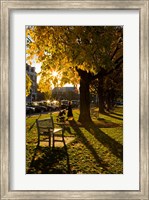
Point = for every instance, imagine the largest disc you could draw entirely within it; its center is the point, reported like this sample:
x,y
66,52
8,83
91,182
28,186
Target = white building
x,y
33,76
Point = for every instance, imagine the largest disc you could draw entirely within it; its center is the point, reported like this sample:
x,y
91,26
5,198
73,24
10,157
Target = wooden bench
x,y
47,127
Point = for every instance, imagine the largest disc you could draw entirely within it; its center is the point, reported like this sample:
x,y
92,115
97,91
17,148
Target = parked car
x,y
49,106
38,108
30,110
55,105
64,104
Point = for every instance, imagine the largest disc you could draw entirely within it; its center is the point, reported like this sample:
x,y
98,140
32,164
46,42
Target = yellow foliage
x,y
62,48
28,84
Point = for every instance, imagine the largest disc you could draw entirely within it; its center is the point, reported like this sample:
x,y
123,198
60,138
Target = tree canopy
x,y
90,48
77,54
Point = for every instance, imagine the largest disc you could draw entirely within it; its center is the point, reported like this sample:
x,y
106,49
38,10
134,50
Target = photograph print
x,y
74,99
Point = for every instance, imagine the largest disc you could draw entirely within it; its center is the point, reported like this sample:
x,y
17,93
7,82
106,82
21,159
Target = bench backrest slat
x,y
45,123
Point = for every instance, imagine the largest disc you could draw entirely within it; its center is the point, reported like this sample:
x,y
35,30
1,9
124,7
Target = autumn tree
x,y
75,50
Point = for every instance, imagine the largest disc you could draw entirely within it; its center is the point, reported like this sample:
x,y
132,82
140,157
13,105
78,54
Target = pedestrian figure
x,y
69,114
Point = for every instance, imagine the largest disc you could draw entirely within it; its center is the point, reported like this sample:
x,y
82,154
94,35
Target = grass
x,y
91,148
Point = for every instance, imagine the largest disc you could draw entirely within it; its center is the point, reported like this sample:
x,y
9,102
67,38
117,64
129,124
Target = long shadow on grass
x,y
115,147
114,113
84,140
47,161
109,115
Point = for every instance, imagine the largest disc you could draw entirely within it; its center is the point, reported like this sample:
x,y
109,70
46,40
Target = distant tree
x,y
44,90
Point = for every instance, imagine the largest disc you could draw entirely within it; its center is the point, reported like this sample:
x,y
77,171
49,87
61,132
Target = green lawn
x,y
95,148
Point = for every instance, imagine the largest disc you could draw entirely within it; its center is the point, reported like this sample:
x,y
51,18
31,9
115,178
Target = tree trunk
x,y
84,101
101,96
110,97
108,103
85,80
101,104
